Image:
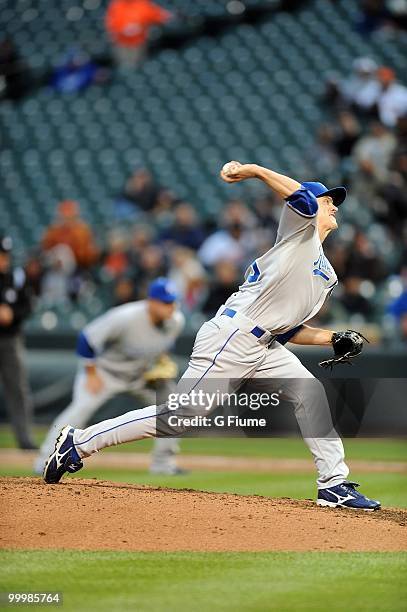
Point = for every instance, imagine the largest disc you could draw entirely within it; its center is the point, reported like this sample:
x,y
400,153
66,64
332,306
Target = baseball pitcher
x,y
125,350
282,290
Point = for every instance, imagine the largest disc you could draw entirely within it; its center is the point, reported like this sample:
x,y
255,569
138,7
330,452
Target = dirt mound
x,y
96,515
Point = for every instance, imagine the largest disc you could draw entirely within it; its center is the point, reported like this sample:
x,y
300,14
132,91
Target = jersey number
x,y
254,276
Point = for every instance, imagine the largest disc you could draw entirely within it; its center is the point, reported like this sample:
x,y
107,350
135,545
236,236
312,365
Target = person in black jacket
x,y
224,283
15,306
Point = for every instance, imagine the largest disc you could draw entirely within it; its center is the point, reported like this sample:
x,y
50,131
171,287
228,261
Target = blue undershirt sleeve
x,y
283,338
303,202
83,348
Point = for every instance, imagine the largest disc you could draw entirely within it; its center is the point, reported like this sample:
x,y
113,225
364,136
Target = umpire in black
x,y
15,306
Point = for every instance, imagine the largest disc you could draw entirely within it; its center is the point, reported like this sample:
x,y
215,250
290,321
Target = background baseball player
x,y
15,307
124,350
282,290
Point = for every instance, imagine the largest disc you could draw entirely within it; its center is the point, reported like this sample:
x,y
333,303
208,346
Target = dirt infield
x,y
99,515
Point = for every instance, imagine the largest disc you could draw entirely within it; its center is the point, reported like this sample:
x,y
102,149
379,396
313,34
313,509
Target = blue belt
x,y
256,331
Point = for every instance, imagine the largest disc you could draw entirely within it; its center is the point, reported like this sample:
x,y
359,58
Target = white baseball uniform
x,y
126,344
282,289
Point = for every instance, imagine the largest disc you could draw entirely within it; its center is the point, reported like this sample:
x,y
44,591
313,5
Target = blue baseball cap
x,y
163,290
338,194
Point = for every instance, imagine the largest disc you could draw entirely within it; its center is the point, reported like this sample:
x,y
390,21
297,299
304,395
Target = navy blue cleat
x,y
345,495
63,459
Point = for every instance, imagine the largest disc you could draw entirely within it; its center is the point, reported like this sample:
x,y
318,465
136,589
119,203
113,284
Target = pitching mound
x,y
96,515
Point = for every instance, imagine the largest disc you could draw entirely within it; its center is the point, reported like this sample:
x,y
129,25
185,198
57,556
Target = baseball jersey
x,y
126,342
289,283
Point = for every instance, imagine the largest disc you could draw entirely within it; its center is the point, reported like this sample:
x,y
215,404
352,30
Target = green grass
x,y
391,489
375,450
369,450
211,581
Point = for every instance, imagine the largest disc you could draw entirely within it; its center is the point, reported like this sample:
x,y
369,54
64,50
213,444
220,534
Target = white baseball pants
x,y
223,351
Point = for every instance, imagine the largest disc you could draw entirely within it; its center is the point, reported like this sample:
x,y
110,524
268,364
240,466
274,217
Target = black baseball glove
x,y
347,345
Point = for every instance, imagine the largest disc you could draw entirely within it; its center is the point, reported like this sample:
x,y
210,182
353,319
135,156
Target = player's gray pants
x,y
85,404
224,352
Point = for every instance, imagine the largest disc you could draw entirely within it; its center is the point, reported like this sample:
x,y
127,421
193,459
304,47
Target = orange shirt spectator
x,y
128,21
71,230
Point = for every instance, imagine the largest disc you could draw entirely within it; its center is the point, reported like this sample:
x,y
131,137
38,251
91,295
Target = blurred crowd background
x,y
117,117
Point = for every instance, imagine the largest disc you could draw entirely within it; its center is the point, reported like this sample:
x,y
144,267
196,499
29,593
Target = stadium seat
x,y
252,92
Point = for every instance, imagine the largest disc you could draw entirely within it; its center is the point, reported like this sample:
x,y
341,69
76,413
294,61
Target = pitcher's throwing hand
x,y
234,171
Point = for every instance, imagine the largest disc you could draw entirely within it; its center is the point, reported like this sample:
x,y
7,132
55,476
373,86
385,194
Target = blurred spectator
x,y
163,212
398,307
77,72
392,98
116,261
373,152
71,230
361,89
403,326
224,282
346,134
393,191
124,291
185,230
141,237
150,265
352,299
141,191
398,13
34,271
337,253
236,211
373,15
234,242
267,209
372,155
188,275
363,261
58,282
128,23
225,244
15,78
322,158
399,163
331,311
15,307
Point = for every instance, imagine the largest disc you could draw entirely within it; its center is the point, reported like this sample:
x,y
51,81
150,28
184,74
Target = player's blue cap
x,y
163,290
338,194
